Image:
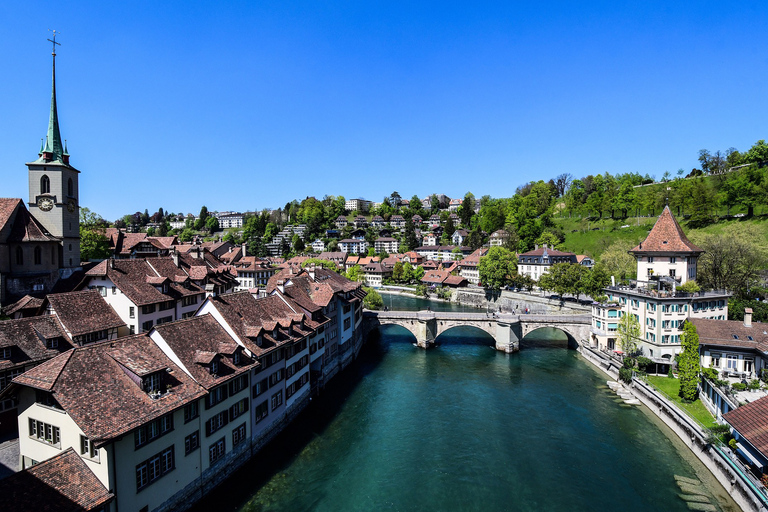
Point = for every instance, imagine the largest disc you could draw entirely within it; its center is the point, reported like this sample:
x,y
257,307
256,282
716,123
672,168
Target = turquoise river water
x,y
463,427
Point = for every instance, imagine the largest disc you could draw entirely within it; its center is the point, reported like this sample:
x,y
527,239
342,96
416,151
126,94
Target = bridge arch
x,y
488,327
486,335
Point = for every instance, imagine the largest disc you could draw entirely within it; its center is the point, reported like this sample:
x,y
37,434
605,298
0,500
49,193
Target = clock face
x,y
71,205
45,204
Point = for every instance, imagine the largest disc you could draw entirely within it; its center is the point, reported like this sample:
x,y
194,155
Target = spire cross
x,y
54,41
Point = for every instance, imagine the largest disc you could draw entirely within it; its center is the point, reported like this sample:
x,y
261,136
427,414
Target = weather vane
x,y
54,40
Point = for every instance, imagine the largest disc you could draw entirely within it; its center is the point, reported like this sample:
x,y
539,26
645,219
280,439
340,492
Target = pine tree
x,y
688,365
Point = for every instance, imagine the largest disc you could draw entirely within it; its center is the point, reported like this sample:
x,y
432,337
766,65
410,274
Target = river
x,y
463,427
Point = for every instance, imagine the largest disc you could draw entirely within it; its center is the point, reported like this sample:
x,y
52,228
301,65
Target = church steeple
x,y
53,150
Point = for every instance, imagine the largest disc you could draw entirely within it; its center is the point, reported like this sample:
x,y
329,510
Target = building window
x,y
277,400
38,255
216,451
238,409
19,256
216,395
238,435
132,312
276,377
216,422
154,467
45,432
238,384
146,326
70,188
87,449
347,323
152,430
191,411
261,411
150,308
45,184
260,387
151,383
5,353
192,442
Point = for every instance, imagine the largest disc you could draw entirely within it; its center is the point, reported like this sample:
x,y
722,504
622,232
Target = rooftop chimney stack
x,y
747,317
281,286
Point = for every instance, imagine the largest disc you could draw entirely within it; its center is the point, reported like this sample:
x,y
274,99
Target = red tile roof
x,y
98,393
26,303
722,332
63,483
666,236
83,312
7,207
27,337
751,421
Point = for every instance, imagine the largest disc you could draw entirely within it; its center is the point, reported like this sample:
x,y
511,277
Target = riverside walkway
x,y
506,329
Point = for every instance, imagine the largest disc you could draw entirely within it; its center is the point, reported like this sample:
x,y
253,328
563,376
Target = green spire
x,y
53,150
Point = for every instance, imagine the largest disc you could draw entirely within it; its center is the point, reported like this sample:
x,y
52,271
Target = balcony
x,y
650,289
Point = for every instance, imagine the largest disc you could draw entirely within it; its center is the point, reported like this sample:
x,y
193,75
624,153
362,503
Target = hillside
x,y
583,236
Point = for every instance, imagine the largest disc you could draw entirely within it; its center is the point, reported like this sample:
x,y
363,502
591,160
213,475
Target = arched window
x,y
70,188
19,256
45,185
38,255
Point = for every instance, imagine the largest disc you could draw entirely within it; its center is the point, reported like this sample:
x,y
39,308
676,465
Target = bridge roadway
x,y
506,329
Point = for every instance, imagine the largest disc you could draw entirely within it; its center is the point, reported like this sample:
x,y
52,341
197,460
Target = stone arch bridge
x,y
506,329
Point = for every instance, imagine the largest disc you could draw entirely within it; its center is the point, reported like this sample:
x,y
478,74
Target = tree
x,y
409,237
474,240
497,268
212,224
201,219
594,281
732,260
616,260
562,182
562,278
355,273
372,299
549,238
397,272
418,274
94,244
186,235
688,365
629,333
467,210
745,187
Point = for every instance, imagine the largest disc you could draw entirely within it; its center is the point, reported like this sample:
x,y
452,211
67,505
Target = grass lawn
x,y
671,387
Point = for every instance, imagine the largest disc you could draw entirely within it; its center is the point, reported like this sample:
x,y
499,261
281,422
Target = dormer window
x,y
214,368
5,352
735,337
52,343
151,383
236,358
274,333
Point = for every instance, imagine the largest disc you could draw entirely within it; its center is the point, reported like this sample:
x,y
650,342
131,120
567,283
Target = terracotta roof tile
x,y
666,236
84,311
751,421
27,337
26,303
63,483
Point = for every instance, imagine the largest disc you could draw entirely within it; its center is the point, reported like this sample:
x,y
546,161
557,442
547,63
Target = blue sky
x,y
246,105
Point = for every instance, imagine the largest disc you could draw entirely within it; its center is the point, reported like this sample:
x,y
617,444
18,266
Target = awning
x,y
745,453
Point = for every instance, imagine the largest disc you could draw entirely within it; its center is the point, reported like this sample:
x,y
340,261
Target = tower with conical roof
x,y
53,186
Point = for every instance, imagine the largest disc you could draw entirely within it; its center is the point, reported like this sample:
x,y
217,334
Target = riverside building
x,y
666,259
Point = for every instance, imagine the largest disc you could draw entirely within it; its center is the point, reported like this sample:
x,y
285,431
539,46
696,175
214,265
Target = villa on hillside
x,y
666,259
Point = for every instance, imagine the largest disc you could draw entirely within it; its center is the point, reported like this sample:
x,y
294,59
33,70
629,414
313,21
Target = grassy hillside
x,y
592,238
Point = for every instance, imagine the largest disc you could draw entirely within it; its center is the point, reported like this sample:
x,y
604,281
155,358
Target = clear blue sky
x,y
246,105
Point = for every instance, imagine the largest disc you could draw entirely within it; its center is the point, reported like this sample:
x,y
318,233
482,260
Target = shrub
x,y
754,384
739,386
625,375
710,373
629,362
732,444
671,373
643,363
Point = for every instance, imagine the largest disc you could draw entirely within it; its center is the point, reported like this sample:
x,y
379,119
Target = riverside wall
x,y
507,301
741,489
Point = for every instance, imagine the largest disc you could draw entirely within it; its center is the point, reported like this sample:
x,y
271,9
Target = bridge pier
x,y
508,334
426,329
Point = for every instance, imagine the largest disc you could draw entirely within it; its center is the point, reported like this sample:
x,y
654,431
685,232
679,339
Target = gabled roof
x,y
731,333
28,336
98,392
63,483
7,207
751,421
83,312
26,228
666,236
26,303
199,336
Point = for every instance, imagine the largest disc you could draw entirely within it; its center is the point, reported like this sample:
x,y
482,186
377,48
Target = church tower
x,y
53,187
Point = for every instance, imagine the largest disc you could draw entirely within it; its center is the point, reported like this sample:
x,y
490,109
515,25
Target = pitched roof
x,y
84,311
97,391
26,228
28,335
7,207
731,333
751,421
550,252
666,236
63,483
27,302
191,338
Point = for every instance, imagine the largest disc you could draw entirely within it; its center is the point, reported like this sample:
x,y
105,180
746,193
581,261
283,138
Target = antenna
x,y
54,40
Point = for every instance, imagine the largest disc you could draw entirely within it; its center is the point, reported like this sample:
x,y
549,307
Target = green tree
x,y
617,261
629,333
594,281
418,274
372,299
409,236
186,235
94,244
212,224
497,268
407,272
355,273
562,278
467,210
688,365
397,272
201,219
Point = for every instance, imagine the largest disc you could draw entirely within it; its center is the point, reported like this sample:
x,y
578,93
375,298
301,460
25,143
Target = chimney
x,y
175,257
537,247
281,285
545,246
311,270
747,317
613,280
243,250
112,265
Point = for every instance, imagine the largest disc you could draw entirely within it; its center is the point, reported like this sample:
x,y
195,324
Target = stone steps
x,y
694,494
624,394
